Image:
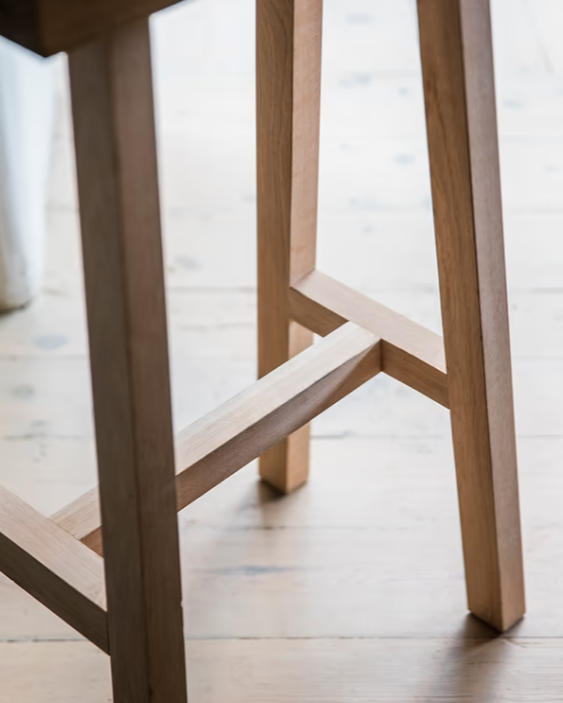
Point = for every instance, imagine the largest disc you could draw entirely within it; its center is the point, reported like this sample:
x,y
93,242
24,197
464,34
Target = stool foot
x,y
286,466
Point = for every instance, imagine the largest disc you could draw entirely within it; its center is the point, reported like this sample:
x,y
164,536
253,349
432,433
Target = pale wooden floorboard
x,y
355,554
352,588
327,671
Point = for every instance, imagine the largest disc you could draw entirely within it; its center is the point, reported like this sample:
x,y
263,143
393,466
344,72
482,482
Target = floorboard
x,y
352,588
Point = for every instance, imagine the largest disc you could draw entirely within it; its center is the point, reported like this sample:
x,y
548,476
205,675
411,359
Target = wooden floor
x,y
352,588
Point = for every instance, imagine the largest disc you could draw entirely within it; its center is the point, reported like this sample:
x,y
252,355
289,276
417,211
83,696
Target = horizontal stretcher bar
x,y
53,567
237,432
410,353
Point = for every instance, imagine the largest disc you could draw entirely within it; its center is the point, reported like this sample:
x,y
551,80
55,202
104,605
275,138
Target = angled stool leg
x,y
288,103
119,207
457,64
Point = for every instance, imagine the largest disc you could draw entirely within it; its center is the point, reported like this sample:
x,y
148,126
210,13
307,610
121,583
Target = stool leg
x,y
457,64
119,208
288,104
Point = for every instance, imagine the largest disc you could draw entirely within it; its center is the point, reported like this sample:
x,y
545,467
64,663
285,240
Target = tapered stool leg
x,y
119,209
288,104
457,64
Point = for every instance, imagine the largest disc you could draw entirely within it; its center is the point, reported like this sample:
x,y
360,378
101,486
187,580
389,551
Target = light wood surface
x,y
410,353
82,519
329,671
228,438
283,584
114,131
288,81
39,556
457,65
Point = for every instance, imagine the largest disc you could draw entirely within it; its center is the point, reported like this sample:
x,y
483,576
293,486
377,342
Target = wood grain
x,y
50,26
480,670
256,566
112,103
409,352
457,63
53,567
288,65
240,430
82,519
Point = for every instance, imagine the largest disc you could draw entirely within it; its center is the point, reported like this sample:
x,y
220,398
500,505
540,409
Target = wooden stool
x,y
142,483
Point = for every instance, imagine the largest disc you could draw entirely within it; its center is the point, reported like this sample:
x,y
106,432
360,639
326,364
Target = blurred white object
x,y
26,123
